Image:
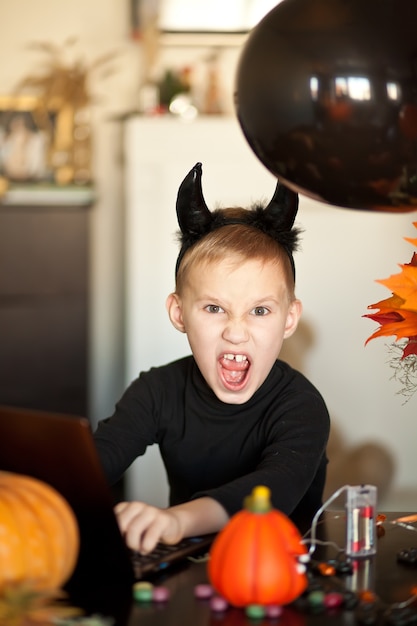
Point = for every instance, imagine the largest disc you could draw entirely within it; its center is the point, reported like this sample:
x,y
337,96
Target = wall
x,y
350,250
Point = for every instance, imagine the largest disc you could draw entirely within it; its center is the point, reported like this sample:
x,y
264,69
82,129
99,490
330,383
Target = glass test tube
x,y
361,520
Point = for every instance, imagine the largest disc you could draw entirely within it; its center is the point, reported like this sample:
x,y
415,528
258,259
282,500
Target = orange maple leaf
x,y
404,284
393,302
397,315
404,326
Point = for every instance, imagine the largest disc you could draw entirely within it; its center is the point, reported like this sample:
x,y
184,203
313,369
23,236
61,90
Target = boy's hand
x,y
143,525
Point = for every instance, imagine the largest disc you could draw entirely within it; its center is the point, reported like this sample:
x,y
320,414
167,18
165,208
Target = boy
x,y
230,416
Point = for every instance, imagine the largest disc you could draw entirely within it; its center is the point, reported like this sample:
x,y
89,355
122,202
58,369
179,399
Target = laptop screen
x,y
59,450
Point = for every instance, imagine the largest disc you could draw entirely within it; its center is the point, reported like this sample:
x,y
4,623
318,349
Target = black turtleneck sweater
x,y
277,438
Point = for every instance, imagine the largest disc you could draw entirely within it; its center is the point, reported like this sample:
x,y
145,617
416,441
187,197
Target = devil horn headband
x,y
196,220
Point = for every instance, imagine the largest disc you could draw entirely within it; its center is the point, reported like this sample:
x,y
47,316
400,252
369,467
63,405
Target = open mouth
x,y
234,370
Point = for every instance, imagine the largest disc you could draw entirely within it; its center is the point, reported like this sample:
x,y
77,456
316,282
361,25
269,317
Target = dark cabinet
x,y
44,306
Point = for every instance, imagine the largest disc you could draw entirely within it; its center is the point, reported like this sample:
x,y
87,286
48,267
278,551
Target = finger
x,y
120,506
153,533
125,514
142,531
165,528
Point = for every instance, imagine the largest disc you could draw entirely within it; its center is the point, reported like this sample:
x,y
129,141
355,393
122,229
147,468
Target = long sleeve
x,y
124,436
278,438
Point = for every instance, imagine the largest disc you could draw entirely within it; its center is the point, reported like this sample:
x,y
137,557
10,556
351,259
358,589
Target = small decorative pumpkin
x,y
253,560
39,536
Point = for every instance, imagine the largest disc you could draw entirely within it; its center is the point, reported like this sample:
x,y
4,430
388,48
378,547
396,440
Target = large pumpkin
x,y
254,559
39,536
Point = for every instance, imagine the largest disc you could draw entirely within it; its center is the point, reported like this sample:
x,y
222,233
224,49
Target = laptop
x,y
59,449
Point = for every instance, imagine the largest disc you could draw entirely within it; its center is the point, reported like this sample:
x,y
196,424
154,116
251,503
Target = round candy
x,y
326,96
161,594
255,611
326,569
367,596
333,600
143,591
316,598
273,610
218,604
203,591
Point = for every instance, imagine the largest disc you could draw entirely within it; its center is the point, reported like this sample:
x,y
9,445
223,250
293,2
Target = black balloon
x,y
326,96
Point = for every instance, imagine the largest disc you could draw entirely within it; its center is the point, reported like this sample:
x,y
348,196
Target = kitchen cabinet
x,y
44,302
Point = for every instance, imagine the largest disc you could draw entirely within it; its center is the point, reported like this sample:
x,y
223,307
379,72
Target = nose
x,y
235,331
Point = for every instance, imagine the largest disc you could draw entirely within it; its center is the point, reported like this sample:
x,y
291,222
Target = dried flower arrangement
x,y
63,86
397,317
64,80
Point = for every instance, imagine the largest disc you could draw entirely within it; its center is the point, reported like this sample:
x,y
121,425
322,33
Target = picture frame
x,y
28,136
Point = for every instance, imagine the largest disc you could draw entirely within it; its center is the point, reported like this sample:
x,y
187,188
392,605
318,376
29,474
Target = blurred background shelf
x,y
51,195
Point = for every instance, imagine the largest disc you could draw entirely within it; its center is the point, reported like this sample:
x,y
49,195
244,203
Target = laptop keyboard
x,y
164,556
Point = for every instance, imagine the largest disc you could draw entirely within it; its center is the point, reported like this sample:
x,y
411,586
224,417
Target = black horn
x,y
283,207
193,213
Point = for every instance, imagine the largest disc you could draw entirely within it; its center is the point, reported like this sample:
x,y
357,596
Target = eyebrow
x,y
262,300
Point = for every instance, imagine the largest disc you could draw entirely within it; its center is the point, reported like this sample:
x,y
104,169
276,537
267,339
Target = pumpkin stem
x,y
259,501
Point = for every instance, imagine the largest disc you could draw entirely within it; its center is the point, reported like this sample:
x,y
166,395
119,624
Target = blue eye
x,y
260,311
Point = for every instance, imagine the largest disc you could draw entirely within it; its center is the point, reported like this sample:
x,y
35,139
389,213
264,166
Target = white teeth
x,y
235,357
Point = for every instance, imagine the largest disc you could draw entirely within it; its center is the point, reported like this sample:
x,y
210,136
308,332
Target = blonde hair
x,y
242,241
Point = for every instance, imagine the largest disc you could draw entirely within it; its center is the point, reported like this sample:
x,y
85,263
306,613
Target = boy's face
x,y
236,316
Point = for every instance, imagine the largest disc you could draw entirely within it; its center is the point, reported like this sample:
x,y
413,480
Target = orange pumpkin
x,y
253,560
39,536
